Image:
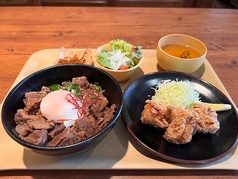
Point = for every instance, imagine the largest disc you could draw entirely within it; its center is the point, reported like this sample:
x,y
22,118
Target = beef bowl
x,y
62,124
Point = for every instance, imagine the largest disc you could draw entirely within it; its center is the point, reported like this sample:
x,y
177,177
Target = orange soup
x,y
181,51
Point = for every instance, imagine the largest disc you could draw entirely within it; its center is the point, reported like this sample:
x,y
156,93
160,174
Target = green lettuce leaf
x,y
103,59
120,45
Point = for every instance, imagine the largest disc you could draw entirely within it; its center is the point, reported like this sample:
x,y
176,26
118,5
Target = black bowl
x,y
56,75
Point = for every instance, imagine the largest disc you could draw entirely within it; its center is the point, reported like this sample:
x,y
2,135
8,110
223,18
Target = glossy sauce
x,y
181,51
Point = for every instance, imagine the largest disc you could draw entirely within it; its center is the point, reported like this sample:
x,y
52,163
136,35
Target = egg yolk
x,y
58,107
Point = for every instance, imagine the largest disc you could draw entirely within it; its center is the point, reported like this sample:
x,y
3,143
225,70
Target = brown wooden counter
x,y
25,30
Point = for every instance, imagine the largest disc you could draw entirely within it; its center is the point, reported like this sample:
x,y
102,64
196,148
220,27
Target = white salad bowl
x,y
119,75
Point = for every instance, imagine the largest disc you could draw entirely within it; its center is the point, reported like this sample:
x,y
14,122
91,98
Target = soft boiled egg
x,y
61,105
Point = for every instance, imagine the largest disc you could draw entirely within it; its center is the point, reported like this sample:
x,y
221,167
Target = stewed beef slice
x,y
86,124
99,104
104,117
39,122
37,137
32,101
58,138
23,129
33,121
81,81
57,129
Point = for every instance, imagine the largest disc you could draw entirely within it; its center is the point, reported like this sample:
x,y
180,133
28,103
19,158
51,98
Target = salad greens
x,y
122,56
120,45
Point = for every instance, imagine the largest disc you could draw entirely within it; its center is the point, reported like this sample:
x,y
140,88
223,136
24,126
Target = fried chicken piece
x,y
182,127
180,124
208,122
154,114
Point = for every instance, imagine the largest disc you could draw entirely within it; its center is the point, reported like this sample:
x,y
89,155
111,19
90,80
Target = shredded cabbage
x,y
180,94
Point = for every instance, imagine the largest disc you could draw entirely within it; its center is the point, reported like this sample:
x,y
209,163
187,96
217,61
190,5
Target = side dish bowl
x,y
56,75
119,75
180,63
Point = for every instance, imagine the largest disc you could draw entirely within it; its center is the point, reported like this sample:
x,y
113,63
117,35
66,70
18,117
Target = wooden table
x,y
25,30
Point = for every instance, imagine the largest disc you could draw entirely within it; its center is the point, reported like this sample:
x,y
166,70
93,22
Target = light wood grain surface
x,y
25,30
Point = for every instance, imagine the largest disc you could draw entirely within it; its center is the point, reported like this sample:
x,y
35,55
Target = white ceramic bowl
x,y
119,75
171,63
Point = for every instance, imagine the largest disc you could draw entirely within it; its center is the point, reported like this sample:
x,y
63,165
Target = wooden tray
x,y
118,150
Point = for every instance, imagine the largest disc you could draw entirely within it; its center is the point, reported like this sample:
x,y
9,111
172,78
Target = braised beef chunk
x,y
23,130
104,117
33,121
100,104
70,139
32,101
86,124
37,137
39,122
36,129
58,129
81,81
45,89
32,128
58,138
21,116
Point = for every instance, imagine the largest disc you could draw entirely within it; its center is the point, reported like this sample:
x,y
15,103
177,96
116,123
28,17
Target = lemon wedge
x,y
218,107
